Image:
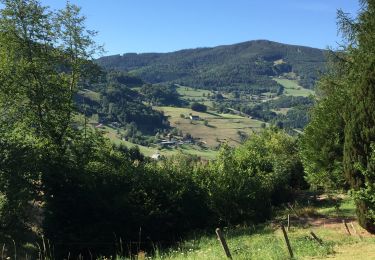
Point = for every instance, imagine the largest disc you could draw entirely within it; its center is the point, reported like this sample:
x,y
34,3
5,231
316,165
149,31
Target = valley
x,y
244,87
200,133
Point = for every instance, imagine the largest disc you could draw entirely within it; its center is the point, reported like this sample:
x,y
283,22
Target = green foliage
x,y
360,110
365,195
257,242
124,79
122,193
342,129
322,143
43,57
123,105
161,95
115,101
198,107
243,183
89,194
20,158
296,117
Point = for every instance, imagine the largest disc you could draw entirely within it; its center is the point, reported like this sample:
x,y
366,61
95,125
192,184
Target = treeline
x,y
297,115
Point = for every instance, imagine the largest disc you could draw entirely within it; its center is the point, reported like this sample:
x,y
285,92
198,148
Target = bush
x,y
198,107
96,194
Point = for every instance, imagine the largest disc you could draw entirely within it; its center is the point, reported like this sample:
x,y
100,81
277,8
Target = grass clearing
x,y
293,89
219,128
195,95
188,92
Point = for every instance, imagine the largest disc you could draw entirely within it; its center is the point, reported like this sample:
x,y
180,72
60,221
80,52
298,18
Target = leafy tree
x,y
244,182
198,107
44,56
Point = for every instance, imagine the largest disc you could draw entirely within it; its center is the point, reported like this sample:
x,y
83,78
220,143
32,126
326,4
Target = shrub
x,y
198,107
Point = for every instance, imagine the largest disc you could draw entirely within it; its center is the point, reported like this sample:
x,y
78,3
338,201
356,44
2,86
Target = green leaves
x,y
342,129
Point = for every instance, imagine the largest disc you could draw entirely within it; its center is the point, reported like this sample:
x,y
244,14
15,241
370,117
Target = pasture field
x,y
220,127
188,92
113,135
195,95
207,154
293,89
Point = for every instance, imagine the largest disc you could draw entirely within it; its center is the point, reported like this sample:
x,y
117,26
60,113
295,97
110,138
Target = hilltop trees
x,y
243,67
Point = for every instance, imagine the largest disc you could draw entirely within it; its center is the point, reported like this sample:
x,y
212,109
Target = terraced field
x,y
197,95
218,129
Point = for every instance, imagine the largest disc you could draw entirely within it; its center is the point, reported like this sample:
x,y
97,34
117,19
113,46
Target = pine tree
x,y
341,134
360,110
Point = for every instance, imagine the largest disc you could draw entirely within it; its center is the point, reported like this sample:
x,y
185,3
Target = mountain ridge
x,y
211,47
242,65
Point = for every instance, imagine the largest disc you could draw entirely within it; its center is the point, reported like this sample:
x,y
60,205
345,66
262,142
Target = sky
x,y
168,25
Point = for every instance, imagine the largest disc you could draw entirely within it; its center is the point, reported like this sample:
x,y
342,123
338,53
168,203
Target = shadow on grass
x,y
213,114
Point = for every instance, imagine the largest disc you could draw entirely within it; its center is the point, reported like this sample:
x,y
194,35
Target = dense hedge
x,y
89,207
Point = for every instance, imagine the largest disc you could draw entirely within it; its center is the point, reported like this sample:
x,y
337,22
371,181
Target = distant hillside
x,y
247,65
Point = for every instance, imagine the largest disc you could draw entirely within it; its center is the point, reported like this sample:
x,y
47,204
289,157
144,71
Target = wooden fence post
x,y
355,231
287,228
346,227
316,238
223,243
287,241
295,212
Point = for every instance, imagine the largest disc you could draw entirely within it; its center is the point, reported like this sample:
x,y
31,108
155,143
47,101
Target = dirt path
x,y
362,249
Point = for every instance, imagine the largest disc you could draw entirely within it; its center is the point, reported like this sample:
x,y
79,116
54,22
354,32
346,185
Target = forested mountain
x,y
238,66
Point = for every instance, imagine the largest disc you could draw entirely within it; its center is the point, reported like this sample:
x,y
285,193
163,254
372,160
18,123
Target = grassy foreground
x,y
267,242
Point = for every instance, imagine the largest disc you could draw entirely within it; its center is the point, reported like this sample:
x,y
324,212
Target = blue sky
x,y
169,25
